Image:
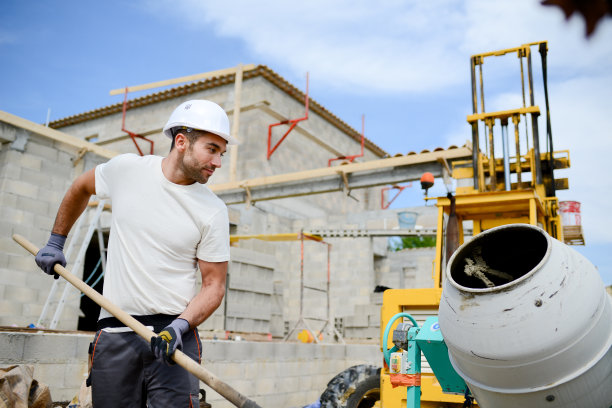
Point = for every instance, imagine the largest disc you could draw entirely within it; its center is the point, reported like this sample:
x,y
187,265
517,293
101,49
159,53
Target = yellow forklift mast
x,y
492,189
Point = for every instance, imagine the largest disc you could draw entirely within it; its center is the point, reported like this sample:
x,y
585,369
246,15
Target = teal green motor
x,y
404,358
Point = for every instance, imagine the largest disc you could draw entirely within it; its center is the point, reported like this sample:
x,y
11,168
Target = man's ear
x,y
181,142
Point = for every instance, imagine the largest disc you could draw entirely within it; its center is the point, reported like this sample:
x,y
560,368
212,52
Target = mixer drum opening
x,y
498,257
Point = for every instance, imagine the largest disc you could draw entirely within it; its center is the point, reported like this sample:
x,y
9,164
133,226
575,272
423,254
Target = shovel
x,y
179,357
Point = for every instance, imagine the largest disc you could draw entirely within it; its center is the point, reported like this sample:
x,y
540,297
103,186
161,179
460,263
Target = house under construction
x,y
308,201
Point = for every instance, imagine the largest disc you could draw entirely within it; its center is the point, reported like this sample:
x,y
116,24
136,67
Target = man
x,y
165,225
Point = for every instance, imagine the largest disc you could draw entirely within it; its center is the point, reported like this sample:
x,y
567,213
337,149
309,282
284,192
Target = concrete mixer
x,y
527,323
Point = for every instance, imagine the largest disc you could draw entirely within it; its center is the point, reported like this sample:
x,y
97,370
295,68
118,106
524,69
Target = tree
x,y
399,243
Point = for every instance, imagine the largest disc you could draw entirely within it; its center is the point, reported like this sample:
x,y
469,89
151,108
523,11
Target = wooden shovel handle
x,y
179,357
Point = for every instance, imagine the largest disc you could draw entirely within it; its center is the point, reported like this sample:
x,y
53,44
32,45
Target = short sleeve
x,y
107,173
214,246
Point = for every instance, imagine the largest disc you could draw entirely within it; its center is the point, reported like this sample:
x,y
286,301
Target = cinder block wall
x,y
35,172
273,374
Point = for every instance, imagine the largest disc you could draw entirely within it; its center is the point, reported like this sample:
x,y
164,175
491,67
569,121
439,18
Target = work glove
x,y
169,340
52,254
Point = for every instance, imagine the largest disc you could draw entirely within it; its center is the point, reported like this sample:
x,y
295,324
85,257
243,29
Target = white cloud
x,y
393,46
421,47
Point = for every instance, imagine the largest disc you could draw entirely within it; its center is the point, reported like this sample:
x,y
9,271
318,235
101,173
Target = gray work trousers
x,y
124,373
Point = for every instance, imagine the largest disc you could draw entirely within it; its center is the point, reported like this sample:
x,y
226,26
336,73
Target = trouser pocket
x,y
90,356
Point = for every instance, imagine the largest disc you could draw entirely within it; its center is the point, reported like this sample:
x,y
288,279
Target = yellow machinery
x,y
517,187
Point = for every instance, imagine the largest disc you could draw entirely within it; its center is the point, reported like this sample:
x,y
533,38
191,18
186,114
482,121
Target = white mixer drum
x,y
527,321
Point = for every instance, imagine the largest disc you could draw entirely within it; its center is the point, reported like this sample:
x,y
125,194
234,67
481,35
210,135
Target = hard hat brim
x,y
228,138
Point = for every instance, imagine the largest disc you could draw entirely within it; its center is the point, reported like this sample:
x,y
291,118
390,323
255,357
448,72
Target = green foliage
x,y
399,243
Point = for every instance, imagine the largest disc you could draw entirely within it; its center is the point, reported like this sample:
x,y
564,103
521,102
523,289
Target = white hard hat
x,y
201,115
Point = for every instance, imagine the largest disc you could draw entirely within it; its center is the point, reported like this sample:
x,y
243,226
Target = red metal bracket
x,y
291,122
353,157
395,187
133,135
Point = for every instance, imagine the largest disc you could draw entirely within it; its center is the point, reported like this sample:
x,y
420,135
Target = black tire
x,y
355,387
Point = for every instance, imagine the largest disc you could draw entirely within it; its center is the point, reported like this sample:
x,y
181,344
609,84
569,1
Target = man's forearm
x,y
74,202
204,304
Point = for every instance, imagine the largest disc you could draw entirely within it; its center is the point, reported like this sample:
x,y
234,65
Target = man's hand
x,y
52,254
169,340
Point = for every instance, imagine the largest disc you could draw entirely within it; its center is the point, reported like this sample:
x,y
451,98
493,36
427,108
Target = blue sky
x,y
404,65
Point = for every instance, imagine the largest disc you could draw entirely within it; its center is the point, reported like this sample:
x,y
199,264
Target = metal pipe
x,y
519,175
492,175
475,135
482,103
506,152
534,125
473,64
521,55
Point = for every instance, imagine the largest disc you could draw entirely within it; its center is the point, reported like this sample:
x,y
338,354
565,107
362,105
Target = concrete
x,y
274,374
33,178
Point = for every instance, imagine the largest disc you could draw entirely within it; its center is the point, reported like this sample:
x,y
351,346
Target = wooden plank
x,y
179,80
236,122
55,135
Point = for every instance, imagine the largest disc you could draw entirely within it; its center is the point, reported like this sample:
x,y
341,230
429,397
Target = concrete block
x,y
367,353
42,151
11,348
51,348
251,310
54,197
305,351
7,199
12,277
21,188
20,294
285,351
253,285
65,158
374,320
36,178
358,320
52,375
296,399
29,161
37,279
75,373
290,384
11,171
305,382
45,223
82,348
13,321
229,371
274,368
362,333
57,170
9,308
263,351
247,256
265,386
63,393
16,216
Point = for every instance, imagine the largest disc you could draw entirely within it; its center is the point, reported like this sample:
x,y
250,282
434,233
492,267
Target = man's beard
x,y
193,171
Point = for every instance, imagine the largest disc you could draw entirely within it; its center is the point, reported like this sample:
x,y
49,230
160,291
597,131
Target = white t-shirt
x,y
158,231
